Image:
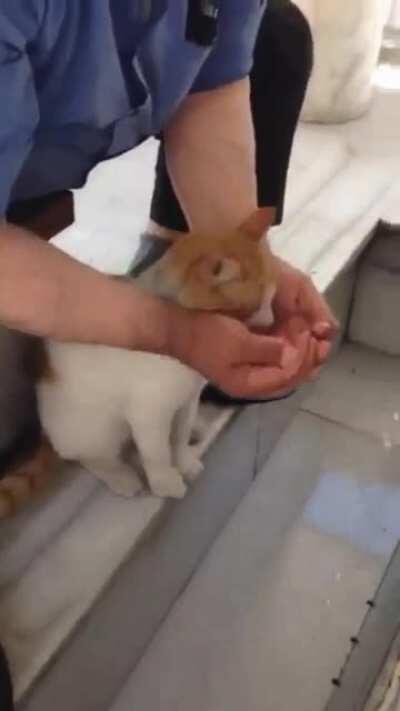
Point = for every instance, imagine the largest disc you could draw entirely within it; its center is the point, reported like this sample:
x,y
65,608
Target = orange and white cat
x,y
102,398
94,401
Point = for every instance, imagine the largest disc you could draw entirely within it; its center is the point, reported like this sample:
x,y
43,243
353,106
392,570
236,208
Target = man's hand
x,y
241,363
301,312
250,365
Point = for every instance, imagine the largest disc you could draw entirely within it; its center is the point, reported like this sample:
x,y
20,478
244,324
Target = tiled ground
x,y
361,391
266,621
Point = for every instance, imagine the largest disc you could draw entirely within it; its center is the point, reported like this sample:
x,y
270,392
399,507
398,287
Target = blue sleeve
x,y
232,55
19,113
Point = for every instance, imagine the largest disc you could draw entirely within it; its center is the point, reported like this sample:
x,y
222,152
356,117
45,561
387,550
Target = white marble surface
x,y
375,315
362,391
375,311
360,183
42,606
394,14
112,210
58,556
347,40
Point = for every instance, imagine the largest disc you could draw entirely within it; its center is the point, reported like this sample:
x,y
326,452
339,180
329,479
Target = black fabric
x,y
20,425
217,397
165,209
277,4
151,249
202,21
21,448
20,212
283,60
6,700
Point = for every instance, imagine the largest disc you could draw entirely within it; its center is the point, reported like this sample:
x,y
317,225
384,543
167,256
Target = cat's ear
x,y
257,224
218,270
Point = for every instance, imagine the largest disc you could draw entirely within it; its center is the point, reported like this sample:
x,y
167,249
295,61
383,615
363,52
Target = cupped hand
x,y
245,364
241,363
298,306
303,320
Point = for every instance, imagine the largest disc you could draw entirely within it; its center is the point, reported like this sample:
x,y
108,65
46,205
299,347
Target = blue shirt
x,y
84,80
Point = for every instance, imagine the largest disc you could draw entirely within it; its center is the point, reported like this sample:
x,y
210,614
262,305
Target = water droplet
x,y
387,442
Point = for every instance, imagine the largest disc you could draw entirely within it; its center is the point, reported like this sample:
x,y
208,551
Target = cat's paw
x,y
118,476
190,464
167,484
126,485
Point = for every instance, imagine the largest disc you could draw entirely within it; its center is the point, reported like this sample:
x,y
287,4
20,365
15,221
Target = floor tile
x,y
361,389
266,622
63,531
129,612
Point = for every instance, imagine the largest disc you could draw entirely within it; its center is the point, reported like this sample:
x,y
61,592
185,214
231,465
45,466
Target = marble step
x,y
376,304
59,557
266,622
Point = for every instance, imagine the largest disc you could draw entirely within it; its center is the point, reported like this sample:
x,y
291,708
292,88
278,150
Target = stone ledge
x,y
55,561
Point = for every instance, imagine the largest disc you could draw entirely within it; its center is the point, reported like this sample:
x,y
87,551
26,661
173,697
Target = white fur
x,y
264,317
105,397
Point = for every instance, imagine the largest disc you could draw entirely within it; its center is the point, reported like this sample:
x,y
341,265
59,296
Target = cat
x,y
100,398
95,400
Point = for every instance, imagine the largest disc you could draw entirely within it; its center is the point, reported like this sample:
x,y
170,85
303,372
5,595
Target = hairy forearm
x,y
211,157
47,293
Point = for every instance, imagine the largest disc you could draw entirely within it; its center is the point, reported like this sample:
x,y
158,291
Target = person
x,y
83,83
283,61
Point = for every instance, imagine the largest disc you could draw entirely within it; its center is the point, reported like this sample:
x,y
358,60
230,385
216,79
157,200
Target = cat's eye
x,y
217,268
225,269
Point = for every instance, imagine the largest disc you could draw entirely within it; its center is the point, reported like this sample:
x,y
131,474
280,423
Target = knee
x,y
303,44
285,45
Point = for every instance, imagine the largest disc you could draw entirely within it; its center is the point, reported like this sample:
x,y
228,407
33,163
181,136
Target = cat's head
x,y
231,273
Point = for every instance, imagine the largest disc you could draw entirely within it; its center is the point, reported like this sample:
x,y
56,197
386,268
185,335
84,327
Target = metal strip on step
x,y
372,646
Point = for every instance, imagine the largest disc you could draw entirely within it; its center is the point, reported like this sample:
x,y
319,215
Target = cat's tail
x,y
20,484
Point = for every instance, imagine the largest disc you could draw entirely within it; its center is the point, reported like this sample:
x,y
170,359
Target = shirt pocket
x,y
202,22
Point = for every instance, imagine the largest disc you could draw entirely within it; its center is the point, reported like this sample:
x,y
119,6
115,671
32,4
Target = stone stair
x,y
63,560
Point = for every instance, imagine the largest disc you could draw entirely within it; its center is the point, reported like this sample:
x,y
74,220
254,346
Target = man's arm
x,y
210,154
209,142
45,292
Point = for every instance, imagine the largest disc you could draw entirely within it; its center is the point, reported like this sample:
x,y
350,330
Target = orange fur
x,y
25,480
228,273
39,363
21,483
